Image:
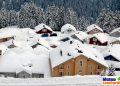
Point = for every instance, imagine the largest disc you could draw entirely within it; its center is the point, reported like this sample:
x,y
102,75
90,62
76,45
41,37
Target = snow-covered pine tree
x,y
13,18
40,16
3,18
52,17
61,18
83,23
108,20
28,15
71,17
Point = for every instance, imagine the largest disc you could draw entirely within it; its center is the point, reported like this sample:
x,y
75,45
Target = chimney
x,y
61,52
71,42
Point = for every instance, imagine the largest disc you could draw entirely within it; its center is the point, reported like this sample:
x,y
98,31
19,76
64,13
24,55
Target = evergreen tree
x,y
61,18
52,17
30,13
12,18
83,23
71,17
3,18
108,20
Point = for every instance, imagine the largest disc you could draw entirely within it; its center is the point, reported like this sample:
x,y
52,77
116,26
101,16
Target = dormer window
x,y
69,30
44,30
81,63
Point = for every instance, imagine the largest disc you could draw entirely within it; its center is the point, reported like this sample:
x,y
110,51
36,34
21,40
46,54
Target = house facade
x,y
43,29
95,30
80,65
92,29
115,42
22,74
95,41
5,39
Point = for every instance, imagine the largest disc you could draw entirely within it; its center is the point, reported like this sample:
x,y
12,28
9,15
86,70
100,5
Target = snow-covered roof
x,y
28,31
16,32
19,43
102,37
113,39
3,49
113,50
41,26
93,26
81,35
5,35
115,30
26,61
44,43
66,48
68,27
114,63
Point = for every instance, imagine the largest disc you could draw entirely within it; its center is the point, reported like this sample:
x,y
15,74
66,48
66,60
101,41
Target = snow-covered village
x,y
44,53
53,43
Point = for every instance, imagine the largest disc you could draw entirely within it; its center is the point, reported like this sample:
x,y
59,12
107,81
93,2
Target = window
x,y
94,43
80,70
69,30
94,39
68,73
61,74
68,67
81,63
44,30
41,75
99,67
61,66
90,67
98,73
95,30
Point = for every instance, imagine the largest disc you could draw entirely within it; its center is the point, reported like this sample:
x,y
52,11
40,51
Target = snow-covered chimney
x,y
71,42
61,52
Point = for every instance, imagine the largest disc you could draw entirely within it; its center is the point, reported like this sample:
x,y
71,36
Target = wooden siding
x,y
73,67
115,42
94,31
5,39
44,30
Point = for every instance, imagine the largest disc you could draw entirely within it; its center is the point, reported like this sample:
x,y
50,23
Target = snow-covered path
x,y
66,81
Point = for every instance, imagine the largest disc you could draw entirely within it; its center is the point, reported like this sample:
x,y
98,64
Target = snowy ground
x,y
65,81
